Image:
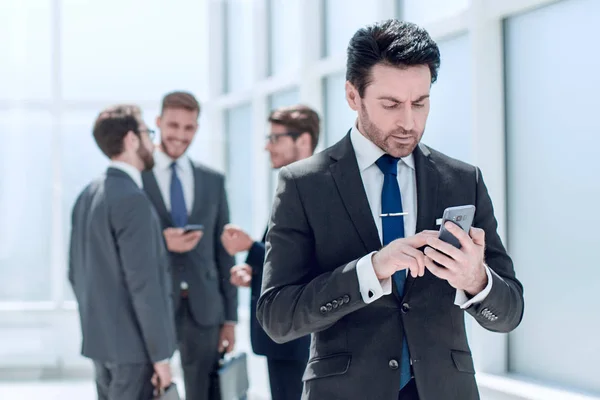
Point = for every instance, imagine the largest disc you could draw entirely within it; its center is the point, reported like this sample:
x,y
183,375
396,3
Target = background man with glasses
x,y
185,192
118,266
294,136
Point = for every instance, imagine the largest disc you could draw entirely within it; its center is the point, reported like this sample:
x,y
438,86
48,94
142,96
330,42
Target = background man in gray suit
x,y
294,136
349,223
186,193
118,266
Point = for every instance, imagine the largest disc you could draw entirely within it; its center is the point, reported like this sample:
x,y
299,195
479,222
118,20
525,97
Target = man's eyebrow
x,y
395,100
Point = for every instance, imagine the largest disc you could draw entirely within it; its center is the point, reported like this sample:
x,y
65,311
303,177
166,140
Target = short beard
x,y
146,157
380,138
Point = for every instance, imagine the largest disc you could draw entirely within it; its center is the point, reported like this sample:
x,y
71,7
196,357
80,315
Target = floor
x,y
80,390
84,389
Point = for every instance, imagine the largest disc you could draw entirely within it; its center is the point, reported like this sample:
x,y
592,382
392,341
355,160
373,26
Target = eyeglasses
x,y
151,133
274,137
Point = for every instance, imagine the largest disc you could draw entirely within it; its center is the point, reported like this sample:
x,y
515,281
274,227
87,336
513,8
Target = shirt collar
x,y
368,152
163,162
130,170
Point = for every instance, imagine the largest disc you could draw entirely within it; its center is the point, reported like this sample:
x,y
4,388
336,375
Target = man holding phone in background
x,y
186,193
294,135
386,322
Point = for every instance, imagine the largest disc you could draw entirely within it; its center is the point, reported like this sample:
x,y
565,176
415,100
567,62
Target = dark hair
x,y
391,42
179,99
298,118
113,124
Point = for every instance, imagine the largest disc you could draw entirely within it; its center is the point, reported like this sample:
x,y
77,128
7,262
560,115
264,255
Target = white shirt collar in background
x,y
130,170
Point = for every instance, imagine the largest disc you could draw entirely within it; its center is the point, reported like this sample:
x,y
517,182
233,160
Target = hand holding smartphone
x,y
193,228
460,215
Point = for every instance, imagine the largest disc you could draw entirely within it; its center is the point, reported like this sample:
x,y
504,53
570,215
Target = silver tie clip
x,y
393,214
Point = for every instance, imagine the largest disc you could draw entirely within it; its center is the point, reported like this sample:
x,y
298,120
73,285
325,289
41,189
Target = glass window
x,y
143,52
26,197
553,190
284,35
26,49
284,98
239,50
277,100
449,123
342,19
427,11
239,176
338,116
239,158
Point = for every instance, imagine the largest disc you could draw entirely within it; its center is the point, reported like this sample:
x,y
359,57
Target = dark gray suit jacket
x,y
321,225
212,298
118,269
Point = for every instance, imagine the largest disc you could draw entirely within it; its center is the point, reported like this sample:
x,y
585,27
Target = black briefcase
x,y
229,381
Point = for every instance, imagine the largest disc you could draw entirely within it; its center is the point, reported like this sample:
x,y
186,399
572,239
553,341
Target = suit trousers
x,y
123,381
285,378
198,349
409,391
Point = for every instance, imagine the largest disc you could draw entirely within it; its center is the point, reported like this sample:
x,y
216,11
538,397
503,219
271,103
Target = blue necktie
x,y
393,228
178,209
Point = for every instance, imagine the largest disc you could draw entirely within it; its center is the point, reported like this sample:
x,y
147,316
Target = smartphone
x,y
460,215
193,228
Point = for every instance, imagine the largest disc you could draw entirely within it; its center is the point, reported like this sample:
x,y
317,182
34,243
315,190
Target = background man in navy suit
x,y
294,136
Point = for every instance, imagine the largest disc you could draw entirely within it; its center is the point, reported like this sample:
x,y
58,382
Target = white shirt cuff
x,y
371,288
463,301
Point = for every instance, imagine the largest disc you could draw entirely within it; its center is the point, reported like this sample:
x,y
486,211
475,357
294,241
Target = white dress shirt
x,y
130,170
367,153
185,173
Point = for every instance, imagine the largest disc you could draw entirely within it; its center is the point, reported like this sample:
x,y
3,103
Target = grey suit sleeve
x,y
502,309
223,260
295,295
71,271
132,221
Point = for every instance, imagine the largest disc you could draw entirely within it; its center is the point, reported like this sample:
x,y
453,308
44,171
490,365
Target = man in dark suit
x,y
294,136
118,266
184,193
387,323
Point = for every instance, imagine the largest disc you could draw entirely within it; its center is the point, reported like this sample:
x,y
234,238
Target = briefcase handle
x,y
221,359
160,391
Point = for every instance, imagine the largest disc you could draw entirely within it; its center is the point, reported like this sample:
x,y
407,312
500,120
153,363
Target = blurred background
x,y
515,96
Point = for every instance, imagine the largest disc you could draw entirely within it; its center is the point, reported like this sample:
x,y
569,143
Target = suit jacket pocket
x,y
321,367
463,361
210,271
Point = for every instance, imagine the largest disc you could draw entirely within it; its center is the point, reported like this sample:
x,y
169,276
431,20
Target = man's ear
x,y
131,141
304,140
352,96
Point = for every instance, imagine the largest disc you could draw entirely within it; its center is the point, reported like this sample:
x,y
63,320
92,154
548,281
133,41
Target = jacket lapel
x,y
347,178
153,191
200,194
427,192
